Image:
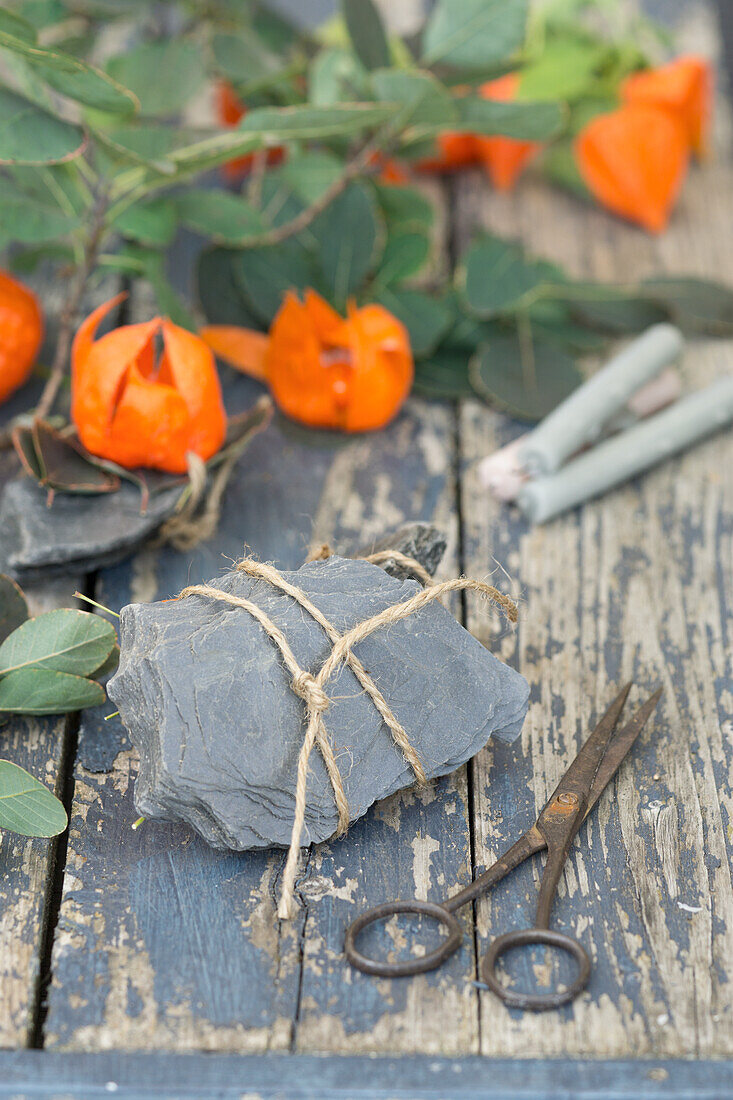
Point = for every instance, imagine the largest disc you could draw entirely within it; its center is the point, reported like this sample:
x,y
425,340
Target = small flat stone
x,y
421,541
77,533
209,706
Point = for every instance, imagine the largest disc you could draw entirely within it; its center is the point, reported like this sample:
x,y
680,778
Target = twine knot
x,y
311,689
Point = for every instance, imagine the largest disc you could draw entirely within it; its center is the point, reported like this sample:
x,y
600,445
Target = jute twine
x,y
311,689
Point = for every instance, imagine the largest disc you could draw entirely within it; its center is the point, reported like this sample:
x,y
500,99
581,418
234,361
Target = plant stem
x,y
356,167
69,311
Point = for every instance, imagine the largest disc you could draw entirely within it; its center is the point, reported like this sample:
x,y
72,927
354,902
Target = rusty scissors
x,y
573,799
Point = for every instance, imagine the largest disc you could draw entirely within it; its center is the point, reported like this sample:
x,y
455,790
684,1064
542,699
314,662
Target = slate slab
x,y
208,703
77,533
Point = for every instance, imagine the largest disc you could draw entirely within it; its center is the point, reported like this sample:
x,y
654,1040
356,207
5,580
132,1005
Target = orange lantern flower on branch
x,y
684,87
326,371
136,407
230,111
504,158
634,161
21,333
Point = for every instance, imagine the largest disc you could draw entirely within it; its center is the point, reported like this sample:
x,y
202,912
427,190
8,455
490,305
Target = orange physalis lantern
x,y
21,333
323,370
230,111
136,408
683,86
453,150
504,158
634,161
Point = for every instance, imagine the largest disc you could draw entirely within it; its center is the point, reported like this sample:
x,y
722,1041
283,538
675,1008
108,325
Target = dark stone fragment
x,y
209,705
421,541
77,533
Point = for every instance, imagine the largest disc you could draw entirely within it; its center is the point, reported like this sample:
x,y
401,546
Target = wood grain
x,y
40,745
637,584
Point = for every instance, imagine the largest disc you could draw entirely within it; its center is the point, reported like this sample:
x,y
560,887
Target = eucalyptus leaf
x,y
524,121
696,305
335,76
225,218
44,691
28,221
244,59
219,293
305,122
404,254
614,314
471,34
13,606
310,173
31,135
425,102
527,382
425,317
163,75
14,24
27,807
151,223
564,69
404,208
72,77
66,640
265,274
349,239
495,275
367,33
444,375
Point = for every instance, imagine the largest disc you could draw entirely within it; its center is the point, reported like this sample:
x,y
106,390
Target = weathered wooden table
x,y
145,963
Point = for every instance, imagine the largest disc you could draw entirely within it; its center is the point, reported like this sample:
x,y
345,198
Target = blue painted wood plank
x,y
29,1074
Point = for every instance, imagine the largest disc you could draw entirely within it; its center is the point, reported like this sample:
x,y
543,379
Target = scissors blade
x,y
579,777
619,747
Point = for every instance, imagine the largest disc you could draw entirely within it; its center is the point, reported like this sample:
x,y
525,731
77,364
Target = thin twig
x,y
69,312
257,177
301,221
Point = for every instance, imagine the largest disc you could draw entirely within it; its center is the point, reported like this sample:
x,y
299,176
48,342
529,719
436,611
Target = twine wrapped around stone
x,y
311,688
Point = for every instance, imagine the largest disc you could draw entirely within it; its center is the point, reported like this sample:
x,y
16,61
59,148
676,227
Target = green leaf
x,y
426,318
525,379
564,69
218,292
525,121
696,305
614,314
245,60
43,691
264,274
404,208
309,174
72,77
426,103
336,76
11,23
163,75
495,275
25,219
66,640
367,34
404,254
27,807
473,34
304,122
13,606
444,376
157,146
349,237
224,217
152,223
31,135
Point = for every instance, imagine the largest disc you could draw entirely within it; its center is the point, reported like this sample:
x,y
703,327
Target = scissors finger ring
x,y
554,830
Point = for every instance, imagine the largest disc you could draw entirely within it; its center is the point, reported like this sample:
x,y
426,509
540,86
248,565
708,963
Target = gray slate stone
x,y
77,532
209,706
421,541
